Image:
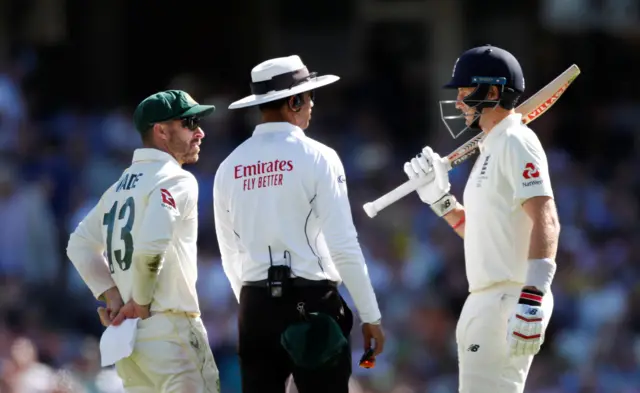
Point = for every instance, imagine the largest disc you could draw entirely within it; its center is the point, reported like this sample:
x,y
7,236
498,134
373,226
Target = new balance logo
x,y
473,348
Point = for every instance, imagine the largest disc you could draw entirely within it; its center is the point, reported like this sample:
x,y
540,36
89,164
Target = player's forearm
x,y
456,219
357,281
544,236
347,256
145,269
543,246
91,265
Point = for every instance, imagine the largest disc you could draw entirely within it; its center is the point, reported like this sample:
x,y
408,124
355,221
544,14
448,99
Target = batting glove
x,y
432,169
525,331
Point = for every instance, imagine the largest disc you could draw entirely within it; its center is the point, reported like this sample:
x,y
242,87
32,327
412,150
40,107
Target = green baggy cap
x,y
167,105
315,342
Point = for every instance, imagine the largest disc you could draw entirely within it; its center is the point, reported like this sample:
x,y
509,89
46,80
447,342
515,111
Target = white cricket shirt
x,y
284,190
150,210
511,168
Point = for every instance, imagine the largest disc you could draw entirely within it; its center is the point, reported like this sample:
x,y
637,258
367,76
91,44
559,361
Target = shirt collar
x,y
266,128
151,154
499,129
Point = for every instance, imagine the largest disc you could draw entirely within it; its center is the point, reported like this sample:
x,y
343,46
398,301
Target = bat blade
x,y
530,110
544,99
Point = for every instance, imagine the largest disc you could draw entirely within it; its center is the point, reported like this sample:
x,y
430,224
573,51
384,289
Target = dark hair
x,y
273,105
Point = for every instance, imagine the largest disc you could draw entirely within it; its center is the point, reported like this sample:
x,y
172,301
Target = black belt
x,y
296,282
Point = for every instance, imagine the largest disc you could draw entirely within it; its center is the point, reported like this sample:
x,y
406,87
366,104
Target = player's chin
x,y
192,158
469,118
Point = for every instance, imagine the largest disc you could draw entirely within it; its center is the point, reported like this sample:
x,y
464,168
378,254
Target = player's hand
x,y
425,166
113,302
131,310
373,332
526,329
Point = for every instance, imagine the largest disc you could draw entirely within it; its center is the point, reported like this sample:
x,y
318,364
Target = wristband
x,y
460,222
444,205
530,297
540,274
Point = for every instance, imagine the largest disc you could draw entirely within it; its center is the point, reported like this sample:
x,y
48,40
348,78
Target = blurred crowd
x,y
54,168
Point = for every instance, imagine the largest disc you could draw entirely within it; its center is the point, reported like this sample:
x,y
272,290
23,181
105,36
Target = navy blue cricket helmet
x,y
481,68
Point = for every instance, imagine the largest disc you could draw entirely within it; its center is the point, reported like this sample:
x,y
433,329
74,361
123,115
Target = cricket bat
x,y
530,110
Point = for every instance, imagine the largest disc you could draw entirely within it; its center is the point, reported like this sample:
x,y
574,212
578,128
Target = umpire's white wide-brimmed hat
x,y
279,78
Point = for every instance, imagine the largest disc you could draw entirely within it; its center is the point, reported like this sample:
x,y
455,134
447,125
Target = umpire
x,y
287,240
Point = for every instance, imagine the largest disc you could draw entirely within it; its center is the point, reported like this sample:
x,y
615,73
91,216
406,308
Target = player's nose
x,y
199,133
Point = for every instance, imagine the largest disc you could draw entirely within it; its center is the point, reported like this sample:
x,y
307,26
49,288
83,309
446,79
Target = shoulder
x,y
521,136
174,177
179,175
319,150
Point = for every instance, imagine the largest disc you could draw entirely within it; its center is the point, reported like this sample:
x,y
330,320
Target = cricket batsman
x,y
509,224
146,224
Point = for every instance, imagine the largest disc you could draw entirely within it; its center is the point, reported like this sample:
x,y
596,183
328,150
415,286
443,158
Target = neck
x,y
492,116
274,117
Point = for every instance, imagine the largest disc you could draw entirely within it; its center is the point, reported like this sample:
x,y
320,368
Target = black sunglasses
x,y
191,123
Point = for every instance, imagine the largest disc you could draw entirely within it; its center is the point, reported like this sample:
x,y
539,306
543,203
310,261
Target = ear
x,y
493,93
291,104
161,131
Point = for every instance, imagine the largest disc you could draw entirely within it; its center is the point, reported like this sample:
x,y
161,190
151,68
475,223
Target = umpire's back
x,y
287,240
269,186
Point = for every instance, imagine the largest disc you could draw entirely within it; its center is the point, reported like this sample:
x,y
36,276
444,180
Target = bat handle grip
x,y
372,208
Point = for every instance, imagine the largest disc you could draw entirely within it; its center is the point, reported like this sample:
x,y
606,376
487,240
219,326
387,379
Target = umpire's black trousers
x,y
264,363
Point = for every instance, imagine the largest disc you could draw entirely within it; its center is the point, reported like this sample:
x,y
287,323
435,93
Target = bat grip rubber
x,y
406,188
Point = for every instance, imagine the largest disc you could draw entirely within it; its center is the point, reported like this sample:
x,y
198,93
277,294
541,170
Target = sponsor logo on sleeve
x,y
531,173
167,199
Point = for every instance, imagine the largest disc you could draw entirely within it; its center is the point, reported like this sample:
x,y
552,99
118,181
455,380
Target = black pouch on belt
x,y
278,280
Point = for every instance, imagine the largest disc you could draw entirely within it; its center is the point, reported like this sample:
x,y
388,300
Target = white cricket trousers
x,y
171,355
481,334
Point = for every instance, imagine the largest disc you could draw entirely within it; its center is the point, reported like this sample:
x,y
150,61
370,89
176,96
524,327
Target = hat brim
x,y
199,110
311,84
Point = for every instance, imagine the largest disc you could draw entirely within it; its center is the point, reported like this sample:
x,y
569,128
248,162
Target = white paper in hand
x,y
117,342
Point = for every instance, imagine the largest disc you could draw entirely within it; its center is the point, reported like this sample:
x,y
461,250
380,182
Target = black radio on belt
x,y
278,276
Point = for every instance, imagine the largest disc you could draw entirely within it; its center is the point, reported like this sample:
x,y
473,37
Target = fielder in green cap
x,y
136,250
170,121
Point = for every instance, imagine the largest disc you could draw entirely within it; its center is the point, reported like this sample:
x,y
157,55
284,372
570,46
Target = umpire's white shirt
x,y
511,168
284,190
150,210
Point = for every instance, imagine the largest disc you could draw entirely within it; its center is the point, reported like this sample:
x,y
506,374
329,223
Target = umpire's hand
x,y
373,332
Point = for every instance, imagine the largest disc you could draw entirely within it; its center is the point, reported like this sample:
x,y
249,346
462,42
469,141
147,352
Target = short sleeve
x,y
526,168
172,199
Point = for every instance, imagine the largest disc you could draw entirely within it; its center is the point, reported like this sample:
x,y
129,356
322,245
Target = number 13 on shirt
x,y
126,210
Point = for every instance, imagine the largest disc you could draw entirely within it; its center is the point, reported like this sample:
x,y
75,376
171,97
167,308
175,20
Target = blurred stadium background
x,y
71,73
